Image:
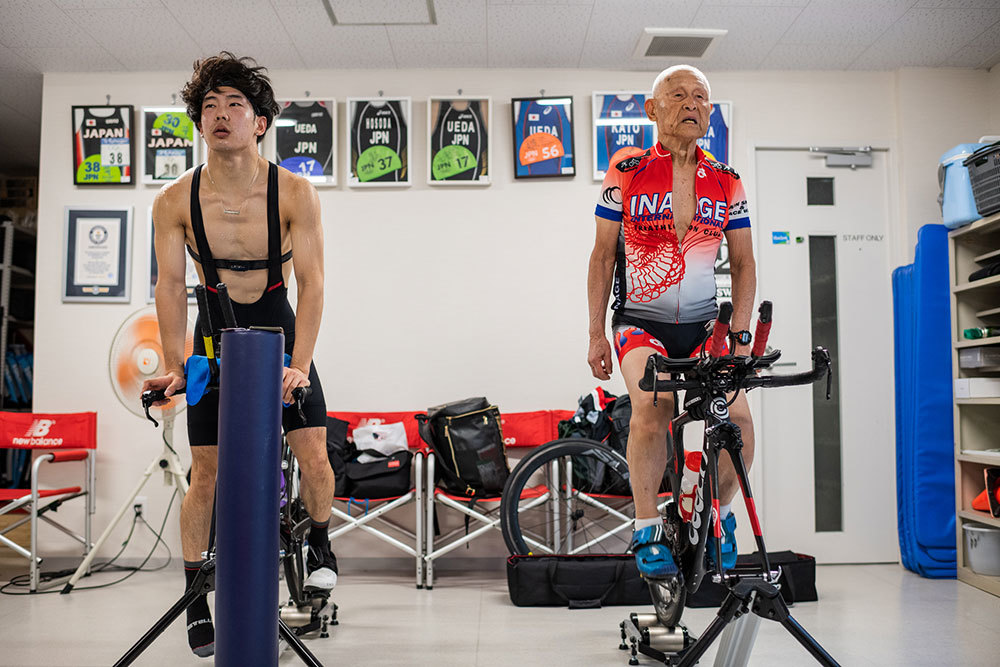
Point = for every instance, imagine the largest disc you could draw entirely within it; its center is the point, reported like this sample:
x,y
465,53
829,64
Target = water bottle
x,y
689,483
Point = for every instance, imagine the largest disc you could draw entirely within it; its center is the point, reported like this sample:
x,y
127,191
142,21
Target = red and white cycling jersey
x,y
657,277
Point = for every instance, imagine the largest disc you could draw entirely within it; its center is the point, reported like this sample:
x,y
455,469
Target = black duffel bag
x,y
386,477
577,582
797,580
339,451
467,440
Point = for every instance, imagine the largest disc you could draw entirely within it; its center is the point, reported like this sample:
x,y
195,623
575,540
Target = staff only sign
x,y
48,431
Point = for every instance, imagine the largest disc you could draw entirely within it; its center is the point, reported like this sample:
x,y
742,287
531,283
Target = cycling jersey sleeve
x,y
609,203
739,210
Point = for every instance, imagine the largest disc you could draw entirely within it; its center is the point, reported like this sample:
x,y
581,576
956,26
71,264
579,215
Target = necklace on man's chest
x,y
235,211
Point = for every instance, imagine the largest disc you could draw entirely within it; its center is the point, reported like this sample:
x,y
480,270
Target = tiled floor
x,y
867,615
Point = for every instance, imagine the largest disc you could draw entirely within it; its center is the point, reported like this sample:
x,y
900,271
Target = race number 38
x,y
115,152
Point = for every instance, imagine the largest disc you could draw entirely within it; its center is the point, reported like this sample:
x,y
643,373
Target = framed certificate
x,y
190,273
619,122
102,145
169,140
543,137
97,258
305,141
379,137
458,140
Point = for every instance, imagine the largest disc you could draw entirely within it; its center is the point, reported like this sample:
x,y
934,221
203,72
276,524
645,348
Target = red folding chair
x,y
520,429
369,514
52,438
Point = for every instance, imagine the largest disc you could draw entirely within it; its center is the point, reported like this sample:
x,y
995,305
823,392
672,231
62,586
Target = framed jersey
x,y
718,140
458,140
169,143
305,141
102,145
379,137
620,122
190,273
543,137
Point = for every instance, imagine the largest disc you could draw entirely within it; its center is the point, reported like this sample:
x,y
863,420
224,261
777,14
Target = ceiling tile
x,y
227,24
753,32
10,61
961,4
925,37
845,21
758,3
614,31
380,11
130,37
27,100
441,54
811,56
322,45
70,59
523,35
107,4
38,23
982,51
457,21
545,2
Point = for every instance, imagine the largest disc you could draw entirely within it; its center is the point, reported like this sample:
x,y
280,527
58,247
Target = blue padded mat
x,y
925,475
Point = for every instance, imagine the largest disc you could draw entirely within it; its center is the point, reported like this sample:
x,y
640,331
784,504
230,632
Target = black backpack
x,y
467,440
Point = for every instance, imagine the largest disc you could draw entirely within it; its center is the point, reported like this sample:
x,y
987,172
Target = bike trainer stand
x,y
675,647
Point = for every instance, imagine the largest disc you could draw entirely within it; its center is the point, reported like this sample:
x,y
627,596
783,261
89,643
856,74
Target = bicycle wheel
x,y
570,496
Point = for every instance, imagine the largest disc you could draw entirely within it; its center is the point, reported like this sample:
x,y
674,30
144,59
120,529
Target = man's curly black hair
x,y
225,69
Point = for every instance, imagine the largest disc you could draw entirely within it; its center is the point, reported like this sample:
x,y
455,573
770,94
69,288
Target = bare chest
x,y
683,198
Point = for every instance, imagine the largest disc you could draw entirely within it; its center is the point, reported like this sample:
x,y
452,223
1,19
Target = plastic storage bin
x,y
982,548
978,357
984,175
958,206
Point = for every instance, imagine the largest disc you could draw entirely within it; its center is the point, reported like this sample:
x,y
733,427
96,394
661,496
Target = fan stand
x,y
167,461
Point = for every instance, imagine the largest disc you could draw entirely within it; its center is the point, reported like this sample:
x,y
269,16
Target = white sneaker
x,y
322,579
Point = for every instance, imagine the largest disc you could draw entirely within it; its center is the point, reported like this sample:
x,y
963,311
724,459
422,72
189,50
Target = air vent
x,y
687,43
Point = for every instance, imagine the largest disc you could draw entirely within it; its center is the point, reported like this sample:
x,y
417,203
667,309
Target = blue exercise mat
x,y
925,477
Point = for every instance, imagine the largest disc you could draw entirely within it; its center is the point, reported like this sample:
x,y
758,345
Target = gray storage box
x,y
978,357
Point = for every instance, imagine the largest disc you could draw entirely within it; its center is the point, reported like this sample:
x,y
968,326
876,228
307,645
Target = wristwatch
x,y
741,337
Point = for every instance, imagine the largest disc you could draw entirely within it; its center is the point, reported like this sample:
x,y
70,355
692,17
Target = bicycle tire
x,y
538,516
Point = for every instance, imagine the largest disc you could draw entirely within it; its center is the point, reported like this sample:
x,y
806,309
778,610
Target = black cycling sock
x,y
201,632
318,535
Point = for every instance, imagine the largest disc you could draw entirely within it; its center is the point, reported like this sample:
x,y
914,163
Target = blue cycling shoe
x,y
728,544
652,555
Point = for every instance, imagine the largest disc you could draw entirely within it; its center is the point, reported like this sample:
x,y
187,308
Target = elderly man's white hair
x,y
670,71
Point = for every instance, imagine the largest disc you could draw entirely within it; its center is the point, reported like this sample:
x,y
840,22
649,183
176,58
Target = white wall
x,y
436,294
993,99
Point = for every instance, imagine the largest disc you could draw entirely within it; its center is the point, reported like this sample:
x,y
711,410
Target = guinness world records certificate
x,y
97,261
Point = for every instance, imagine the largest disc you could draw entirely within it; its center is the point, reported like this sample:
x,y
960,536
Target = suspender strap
x,y
275,278
198,228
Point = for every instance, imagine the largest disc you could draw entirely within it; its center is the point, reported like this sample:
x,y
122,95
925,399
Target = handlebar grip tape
x,y
721,330
763,330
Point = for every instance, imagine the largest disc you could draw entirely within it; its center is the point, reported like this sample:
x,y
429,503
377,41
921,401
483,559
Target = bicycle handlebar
x,y
152,396
729,373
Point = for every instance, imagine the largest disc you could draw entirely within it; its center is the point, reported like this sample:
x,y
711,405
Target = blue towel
x,y
198,372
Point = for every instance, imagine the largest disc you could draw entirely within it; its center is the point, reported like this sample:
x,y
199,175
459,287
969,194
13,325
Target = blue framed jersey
x,y
543,137
619,122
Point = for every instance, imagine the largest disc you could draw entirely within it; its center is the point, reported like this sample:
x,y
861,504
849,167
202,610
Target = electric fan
x,y
137,355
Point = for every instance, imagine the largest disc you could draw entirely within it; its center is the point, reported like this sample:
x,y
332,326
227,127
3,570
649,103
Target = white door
x,y
828,467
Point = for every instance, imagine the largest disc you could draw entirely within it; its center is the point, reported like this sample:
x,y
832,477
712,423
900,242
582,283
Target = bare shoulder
x,y
171,201
298,195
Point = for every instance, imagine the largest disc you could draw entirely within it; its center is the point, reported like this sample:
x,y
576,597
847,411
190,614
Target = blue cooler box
x,y
958,207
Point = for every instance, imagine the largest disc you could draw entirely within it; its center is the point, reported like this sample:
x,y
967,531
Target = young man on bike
x,y
661,216
240,207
